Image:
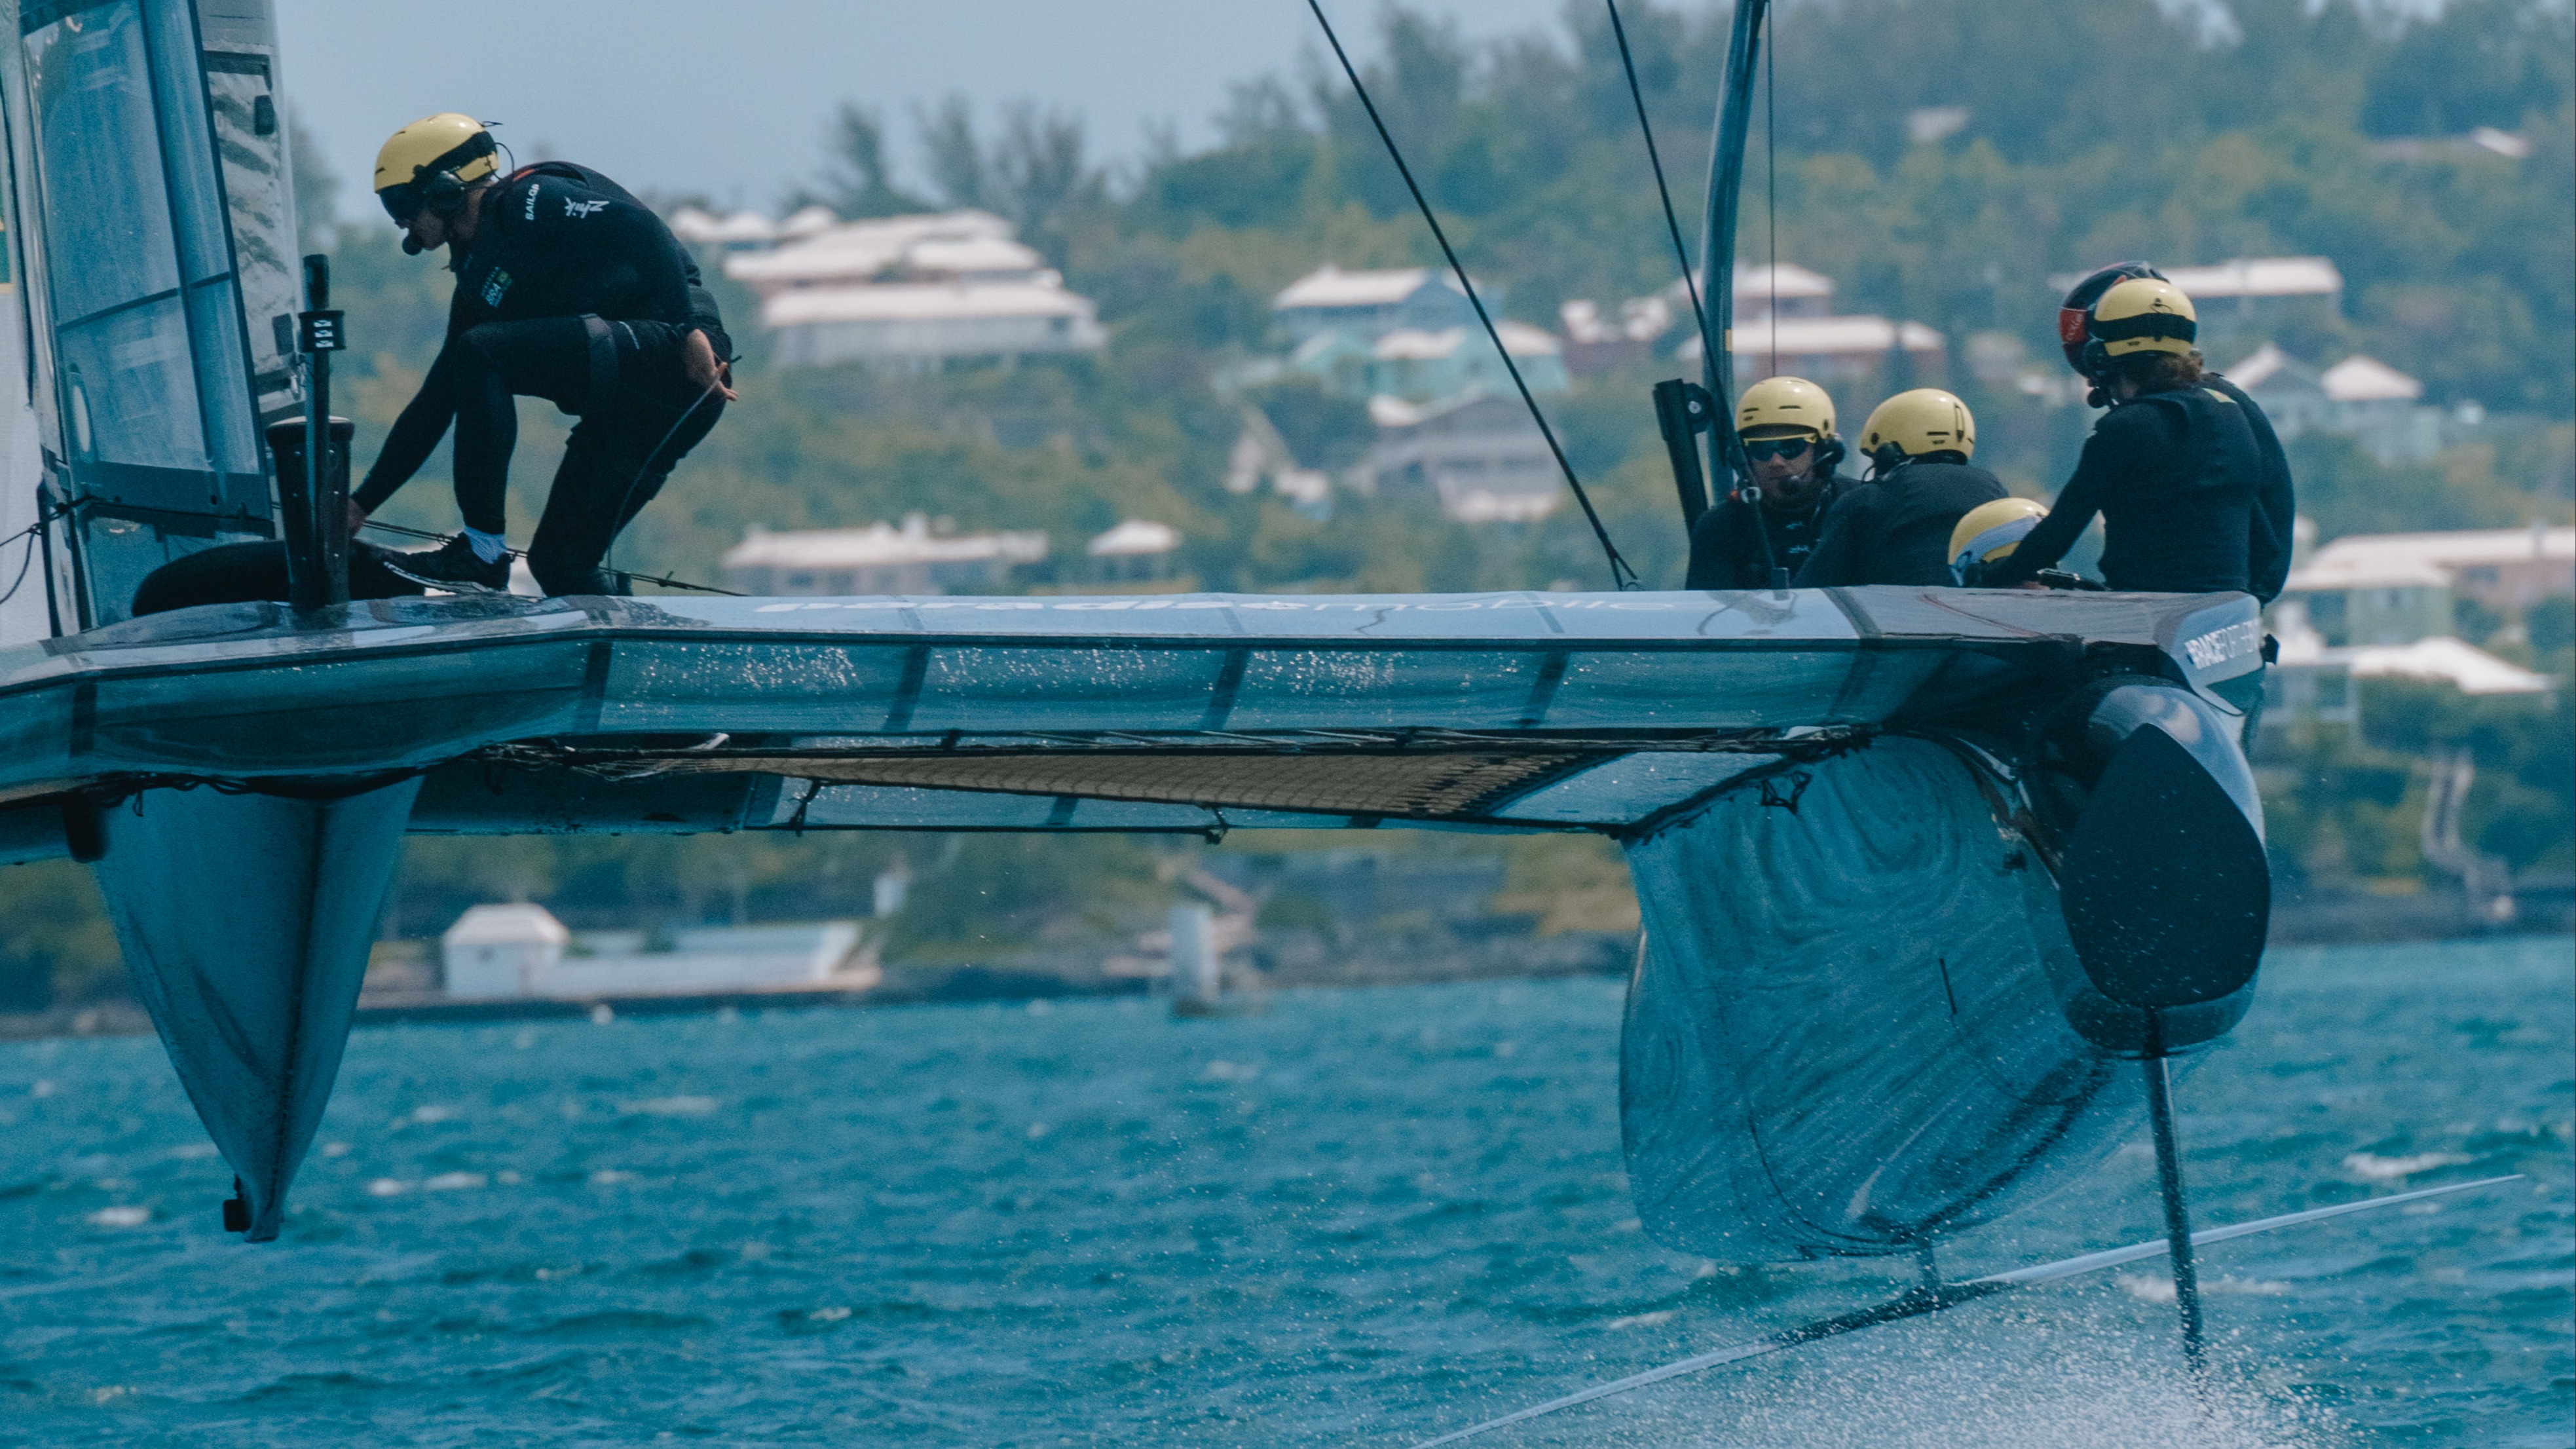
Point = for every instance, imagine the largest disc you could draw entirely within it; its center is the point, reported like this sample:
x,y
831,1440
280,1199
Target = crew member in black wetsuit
x,y
2174,469
1895,528
2276,506
1787,424
569,289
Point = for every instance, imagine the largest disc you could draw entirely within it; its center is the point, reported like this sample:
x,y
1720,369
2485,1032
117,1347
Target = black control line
x,y
1620,573
1654,158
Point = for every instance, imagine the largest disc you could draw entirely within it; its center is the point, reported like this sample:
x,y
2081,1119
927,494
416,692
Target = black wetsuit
x,y
2276,500
573,291
1726,549
2176,476
1895,529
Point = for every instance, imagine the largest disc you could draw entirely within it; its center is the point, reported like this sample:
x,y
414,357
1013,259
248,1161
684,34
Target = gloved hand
x,y
705,371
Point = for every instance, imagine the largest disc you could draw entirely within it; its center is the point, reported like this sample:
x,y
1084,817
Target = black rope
x,y
1621,575
647,466
28,533
396,528
1771,169
1672,223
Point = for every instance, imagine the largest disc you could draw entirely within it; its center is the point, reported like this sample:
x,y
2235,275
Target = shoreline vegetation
x,y
2293,129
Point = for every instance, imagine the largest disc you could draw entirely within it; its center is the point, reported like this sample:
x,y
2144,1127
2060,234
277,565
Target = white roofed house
x,y
913,292
501,950
2246,285
1831,350
880,559
1137,551
1374,303
1597,343
2371,605
518,952
1785,325
742,231
1776,289
921,325
2506,570
1480,456
2360,396
1422,366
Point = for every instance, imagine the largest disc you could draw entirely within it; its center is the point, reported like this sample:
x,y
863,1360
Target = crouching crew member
x,y
1895,528
2268,537
1987,535
1787,424
568,289
2173,468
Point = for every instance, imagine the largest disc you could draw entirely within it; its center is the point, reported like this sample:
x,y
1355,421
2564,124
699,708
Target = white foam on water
x,y
121,1217
675,1106
2105,1390
2388,1169
2159,1288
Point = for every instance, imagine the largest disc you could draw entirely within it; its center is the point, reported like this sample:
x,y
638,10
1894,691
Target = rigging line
x,y
44,519
1621,575
1654,158
28,561
647,465
1771,166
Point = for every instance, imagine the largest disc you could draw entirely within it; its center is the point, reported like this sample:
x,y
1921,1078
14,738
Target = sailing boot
x,y
453,566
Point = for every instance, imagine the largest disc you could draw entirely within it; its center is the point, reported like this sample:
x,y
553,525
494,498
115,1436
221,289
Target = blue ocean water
x,y
1363,1216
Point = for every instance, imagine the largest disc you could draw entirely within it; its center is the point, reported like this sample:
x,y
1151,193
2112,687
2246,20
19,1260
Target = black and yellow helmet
x,y
2075,314
2141,314
1918,424
431,164
1988,533
1785,407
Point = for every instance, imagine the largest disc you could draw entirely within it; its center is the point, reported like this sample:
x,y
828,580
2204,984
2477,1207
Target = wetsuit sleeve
x,y
415,433
2076,504
1836,561
705,317
2276,507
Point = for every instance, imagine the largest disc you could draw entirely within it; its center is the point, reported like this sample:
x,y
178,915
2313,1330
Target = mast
x,y
1717,238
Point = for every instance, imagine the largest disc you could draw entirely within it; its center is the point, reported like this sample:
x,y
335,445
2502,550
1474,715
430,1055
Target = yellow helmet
x,y
1779,407
431,163
2142,314
1925,420
1988,532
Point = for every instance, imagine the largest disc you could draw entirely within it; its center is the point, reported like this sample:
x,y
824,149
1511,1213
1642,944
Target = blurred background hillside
x,y
1936,162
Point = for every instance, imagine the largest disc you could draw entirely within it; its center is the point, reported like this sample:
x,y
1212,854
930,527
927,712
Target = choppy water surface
x,y
1360,1218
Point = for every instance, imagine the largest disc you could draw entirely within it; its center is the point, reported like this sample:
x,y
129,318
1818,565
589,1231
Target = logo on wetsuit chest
x,y
579,209
529,213
495,287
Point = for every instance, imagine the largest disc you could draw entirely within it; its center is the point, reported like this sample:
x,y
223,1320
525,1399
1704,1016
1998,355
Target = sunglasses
x,y
401,202
1769,448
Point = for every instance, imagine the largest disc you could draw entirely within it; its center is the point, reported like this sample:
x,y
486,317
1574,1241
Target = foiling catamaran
x,y
1926,873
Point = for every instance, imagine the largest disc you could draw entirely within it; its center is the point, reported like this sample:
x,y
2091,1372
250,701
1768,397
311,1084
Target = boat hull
x,y
1848,1029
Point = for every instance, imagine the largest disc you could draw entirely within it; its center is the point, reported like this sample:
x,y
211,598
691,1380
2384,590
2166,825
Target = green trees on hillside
x,y
2094,130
